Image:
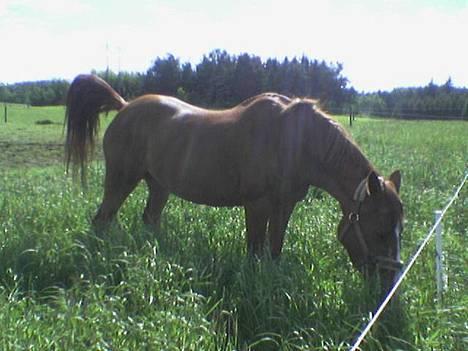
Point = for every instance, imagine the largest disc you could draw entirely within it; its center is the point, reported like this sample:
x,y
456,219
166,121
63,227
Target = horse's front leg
x,y
279,219
256,219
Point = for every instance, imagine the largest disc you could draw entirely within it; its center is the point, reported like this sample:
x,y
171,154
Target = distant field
x,y
64,287
33,136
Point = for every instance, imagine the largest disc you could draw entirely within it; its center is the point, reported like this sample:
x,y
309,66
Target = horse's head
x,y
371,232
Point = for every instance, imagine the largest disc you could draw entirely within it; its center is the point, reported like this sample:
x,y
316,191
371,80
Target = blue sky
x,y
382,44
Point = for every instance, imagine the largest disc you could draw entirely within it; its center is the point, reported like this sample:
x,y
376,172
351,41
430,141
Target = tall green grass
x,y
192,287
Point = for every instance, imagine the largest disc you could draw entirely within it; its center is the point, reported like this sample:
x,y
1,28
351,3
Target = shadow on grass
x,y
32,264
251,304
281,304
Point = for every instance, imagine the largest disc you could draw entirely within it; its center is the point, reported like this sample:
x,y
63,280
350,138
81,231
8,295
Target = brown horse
x,y
262,154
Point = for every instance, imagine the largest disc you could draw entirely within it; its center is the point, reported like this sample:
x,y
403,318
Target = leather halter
x,y
382,262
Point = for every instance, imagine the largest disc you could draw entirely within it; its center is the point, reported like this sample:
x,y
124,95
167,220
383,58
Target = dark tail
x,y
87,97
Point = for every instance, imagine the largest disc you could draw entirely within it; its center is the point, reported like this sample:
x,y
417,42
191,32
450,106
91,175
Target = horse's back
x,y
145,118
154,109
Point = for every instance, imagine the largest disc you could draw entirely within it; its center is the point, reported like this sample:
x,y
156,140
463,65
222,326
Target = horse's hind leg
x,y
256,219
157,199
118,184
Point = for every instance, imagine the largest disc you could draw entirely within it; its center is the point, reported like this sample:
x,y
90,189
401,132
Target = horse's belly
x,y
203,185
205,166
209,194
211,200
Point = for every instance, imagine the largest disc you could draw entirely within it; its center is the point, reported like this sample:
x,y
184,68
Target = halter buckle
x,y
353,217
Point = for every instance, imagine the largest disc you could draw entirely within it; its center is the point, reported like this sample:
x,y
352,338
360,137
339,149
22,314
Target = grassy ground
x,y
64,287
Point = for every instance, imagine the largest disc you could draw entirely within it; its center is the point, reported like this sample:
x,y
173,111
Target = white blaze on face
x,y
397,232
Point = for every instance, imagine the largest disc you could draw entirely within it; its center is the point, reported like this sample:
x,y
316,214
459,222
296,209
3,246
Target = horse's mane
x,y
281,98
337,145
342,149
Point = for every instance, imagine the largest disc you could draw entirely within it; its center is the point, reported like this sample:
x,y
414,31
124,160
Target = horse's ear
x,y
375,183
395,178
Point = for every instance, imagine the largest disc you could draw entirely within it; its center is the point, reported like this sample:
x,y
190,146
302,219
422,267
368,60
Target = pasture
x,y
191,287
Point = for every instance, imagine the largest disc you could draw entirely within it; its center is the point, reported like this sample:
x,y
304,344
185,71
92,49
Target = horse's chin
x,y
380,281
389,282
386,282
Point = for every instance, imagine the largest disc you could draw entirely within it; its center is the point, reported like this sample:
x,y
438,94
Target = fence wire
x,y
406,269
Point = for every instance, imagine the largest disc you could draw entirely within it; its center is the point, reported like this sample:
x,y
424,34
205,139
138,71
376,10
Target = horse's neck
x,y
341,183
340,179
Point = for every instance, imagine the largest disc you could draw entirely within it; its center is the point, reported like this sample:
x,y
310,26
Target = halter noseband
x,y
382,262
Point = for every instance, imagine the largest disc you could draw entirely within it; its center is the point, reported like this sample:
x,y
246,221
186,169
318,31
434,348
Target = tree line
x,y
41,93
222,80
219,80
431,101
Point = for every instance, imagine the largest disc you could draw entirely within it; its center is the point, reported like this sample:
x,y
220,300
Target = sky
x,y
382,44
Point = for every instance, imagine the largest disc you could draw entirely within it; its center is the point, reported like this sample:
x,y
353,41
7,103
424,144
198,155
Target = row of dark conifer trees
x,y
219,80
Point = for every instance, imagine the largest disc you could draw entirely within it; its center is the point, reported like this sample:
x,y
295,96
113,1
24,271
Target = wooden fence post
x,y
6,113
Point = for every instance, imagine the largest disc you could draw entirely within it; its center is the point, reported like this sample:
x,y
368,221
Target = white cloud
x,y
409,48
46,7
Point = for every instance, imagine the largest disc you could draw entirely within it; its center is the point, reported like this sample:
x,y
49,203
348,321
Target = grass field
x,y
63,287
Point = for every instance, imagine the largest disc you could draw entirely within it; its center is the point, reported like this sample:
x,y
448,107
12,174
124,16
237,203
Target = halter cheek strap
x,y
362,190
353,221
